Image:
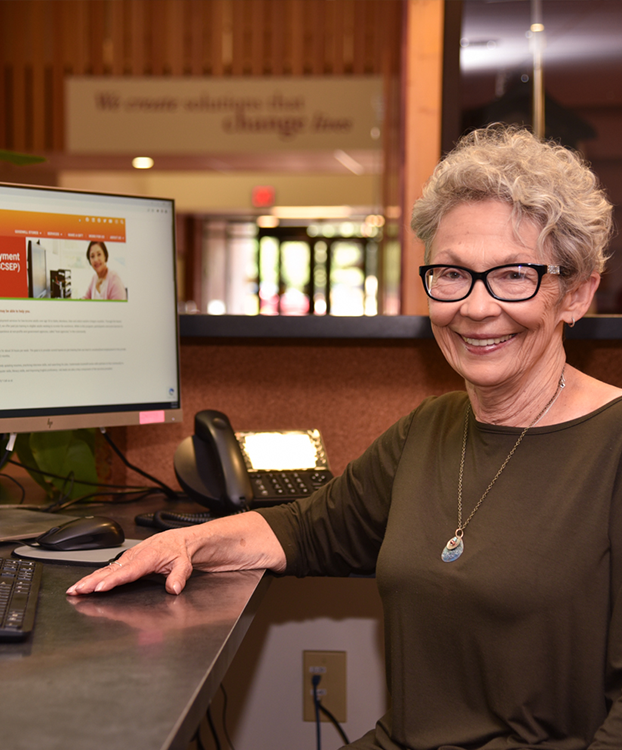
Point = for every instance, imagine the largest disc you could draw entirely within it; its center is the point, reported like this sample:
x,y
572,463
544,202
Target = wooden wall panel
x,y
220,36
358,39
43,42
338,43
297,38
157,51
276,24
317,37
4,70
257,32
174,33
237,35
422,123
96,25
54,113
137,39
35,114
116,48
76,46
7,20
197,32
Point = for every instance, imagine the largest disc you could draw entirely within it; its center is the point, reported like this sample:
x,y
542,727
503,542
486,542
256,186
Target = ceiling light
x,y
268,222
312,212
142,162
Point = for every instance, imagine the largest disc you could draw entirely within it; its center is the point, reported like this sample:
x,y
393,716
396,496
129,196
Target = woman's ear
x,y
577,301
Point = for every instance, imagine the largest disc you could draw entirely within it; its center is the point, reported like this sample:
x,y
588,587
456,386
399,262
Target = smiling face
x,y
492,343
97,259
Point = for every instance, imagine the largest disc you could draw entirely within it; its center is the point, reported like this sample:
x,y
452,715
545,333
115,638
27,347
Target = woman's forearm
x,y
241,542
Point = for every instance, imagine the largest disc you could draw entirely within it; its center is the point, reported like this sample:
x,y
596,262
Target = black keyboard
x,y
274,487
19,590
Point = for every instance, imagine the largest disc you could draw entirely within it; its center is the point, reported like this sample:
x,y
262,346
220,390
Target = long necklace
x,y
455,546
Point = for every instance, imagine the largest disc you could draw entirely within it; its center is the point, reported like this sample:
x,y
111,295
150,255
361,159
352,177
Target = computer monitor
x,y
102,349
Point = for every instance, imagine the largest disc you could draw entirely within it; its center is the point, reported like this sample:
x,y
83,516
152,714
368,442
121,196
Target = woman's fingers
x,y
163,553
103,579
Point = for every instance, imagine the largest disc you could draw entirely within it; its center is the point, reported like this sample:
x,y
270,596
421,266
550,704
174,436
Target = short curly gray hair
x,y
542,181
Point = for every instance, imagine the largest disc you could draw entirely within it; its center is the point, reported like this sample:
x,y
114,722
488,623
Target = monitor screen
x,y
88,310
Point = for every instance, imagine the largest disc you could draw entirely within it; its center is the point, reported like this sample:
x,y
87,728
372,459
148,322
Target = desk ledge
x,y
365,327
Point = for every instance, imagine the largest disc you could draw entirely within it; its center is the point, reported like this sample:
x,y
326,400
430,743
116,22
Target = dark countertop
x,y
133,668
387,327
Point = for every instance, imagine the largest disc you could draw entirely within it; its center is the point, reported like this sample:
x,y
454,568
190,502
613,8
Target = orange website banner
x,y
62,226
13,267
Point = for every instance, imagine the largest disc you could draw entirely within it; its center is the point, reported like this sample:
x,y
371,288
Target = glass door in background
x,y
324,268
317,271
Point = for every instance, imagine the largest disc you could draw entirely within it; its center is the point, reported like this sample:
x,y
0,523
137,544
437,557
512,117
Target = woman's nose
x,y
480,303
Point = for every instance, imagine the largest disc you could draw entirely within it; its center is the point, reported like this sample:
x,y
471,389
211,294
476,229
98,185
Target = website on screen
x,y
87,300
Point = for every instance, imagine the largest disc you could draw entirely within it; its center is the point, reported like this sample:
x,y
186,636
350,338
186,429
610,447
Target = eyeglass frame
x,y
540,268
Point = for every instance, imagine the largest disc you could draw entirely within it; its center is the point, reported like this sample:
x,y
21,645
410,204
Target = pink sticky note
x,y
151,417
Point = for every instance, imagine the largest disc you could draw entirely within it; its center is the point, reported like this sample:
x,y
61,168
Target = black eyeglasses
x,y
514,282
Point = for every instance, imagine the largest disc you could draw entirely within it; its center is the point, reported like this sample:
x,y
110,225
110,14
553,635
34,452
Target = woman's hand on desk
x,y
241,542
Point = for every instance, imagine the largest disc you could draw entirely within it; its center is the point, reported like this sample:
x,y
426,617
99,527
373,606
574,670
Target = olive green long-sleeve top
x,y
518,642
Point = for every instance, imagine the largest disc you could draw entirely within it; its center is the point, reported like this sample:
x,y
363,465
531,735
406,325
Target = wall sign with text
x,y
203,115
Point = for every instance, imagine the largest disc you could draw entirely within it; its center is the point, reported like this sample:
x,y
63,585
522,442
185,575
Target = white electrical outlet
x,y
331,666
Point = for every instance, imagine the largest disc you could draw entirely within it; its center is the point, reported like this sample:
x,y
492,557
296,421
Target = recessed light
x,y
142,162
268,222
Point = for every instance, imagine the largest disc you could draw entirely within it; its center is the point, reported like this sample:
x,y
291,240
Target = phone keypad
x,y
273,487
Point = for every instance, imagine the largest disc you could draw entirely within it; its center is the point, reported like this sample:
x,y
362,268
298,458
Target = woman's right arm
x,y
241,542
335,531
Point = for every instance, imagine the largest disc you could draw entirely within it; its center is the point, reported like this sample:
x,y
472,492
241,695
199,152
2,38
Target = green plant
x,y
67,454
20,159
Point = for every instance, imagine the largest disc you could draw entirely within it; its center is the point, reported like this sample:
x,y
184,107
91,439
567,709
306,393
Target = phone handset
x,y
214,426
210,467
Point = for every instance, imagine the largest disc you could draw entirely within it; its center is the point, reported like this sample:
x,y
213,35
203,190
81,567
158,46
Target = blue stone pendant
x,y
453,549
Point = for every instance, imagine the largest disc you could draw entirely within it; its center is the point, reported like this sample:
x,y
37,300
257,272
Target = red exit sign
x,y
263,196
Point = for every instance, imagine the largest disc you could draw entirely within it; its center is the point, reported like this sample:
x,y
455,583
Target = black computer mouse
x,y
92,532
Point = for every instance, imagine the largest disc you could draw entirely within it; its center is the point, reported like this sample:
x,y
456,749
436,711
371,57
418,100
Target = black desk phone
x,y
229,472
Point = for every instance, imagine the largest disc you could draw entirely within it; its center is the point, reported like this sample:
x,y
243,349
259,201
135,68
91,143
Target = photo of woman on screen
x,y
106,283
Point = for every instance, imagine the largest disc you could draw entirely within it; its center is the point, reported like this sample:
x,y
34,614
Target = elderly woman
x,y
106,283
492,517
